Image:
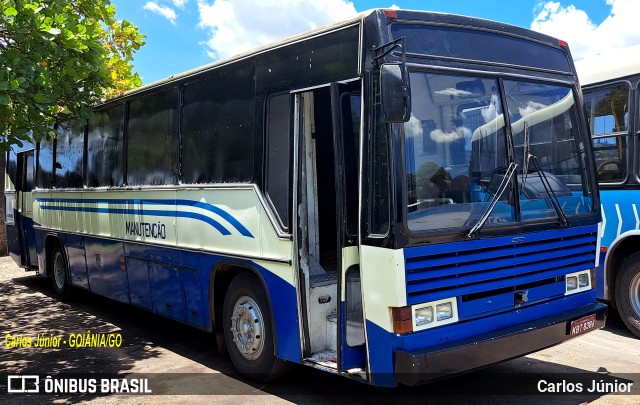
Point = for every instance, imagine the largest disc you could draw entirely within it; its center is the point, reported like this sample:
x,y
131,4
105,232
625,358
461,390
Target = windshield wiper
x,y
496,197
552,195
528,156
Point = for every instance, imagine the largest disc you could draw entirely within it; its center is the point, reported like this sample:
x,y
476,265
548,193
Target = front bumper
x,y
417,367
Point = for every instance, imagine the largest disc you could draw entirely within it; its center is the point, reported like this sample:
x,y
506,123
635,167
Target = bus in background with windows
x,y
391,198
610,87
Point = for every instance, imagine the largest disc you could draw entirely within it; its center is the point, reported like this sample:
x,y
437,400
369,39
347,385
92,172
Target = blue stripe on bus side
x,y
158,213
216,210
190,203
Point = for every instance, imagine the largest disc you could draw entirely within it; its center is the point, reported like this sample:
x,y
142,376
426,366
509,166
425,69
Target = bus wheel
x,y
628,293
60,274
248,330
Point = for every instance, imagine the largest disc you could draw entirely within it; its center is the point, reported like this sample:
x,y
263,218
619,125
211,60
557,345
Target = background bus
x,y
610,87
392,198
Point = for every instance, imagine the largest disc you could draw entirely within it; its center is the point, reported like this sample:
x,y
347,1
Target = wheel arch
x,y
219,281
620,249
51,240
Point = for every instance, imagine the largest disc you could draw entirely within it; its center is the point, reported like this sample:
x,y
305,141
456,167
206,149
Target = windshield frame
x,y
519,225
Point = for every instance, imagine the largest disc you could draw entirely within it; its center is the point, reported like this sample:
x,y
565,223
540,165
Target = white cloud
x,y
239,25
491,111
166,12
531,107
413,127
438,135
179,3
620,29
454,92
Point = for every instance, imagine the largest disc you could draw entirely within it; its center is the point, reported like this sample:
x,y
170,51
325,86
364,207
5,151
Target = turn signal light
x,y
402,320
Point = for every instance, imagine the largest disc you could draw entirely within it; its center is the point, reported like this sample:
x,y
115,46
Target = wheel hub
x,y
247,328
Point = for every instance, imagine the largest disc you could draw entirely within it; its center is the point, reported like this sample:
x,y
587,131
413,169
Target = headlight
x,y
424,315
413,318
583,280
578,282
444,311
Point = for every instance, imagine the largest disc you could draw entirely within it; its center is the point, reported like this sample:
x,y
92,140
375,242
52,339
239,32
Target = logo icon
x,y
23,384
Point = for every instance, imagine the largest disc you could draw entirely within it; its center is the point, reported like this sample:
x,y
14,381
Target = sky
x,y
186,34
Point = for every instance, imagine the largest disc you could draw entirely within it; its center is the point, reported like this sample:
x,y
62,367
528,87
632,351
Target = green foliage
x,y
431,172
57,59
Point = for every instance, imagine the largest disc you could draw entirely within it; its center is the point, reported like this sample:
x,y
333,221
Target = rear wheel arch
x,y
220,280
51,242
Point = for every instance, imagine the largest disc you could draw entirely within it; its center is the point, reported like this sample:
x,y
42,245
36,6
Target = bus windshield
x,y
458,152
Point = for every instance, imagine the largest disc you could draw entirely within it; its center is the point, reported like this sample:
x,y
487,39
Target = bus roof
x,y
308,34
608,66
254,51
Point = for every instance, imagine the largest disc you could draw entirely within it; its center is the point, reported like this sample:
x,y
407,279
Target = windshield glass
x,y
457,152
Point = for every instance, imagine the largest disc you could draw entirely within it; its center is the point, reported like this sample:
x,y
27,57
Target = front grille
x,y
482,269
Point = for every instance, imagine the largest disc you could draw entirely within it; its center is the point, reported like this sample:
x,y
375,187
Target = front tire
x,y
59,271
628,293
248,330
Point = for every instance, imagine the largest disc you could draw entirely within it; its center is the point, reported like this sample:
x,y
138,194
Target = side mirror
x,y
395,92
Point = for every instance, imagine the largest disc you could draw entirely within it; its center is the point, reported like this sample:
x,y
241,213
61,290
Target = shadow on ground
x,y
28,307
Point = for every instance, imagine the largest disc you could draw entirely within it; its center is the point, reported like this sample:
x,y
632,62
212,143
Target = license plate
x,y
582,325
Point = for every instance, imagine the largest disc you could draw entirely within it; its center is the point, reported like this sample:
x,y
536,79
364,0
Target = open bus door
x,y
24,204
328,124
346,117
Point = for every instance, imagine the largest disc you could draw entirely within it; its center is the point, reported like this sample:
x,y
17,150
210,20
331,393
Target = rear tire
x,y
628,293
59,271
248,330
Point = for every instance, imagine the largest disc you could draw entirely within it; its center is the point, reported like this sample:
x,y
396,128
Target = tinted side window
x,y
607,109
69,155
44,174
279,155
351,137
105,160
379,170
608,113
29,172
152,152
218,127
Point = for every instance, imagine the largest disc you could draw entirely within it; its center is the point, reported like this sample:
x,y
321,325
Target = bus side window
x,y
30,171
105,160
153,120
44,174
607,113
278,143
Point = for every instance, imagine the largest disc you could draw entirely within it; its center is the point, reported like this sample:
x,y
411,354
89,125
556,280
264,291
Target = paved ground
x,y
188,362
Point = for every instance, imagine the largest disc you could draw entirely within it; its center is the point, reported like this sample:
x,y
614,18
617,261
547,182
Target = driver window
x,y
608,115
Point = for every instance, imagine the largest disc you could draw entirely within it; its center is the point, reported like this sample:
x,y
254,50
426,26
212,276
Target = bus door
x,y
346,114
328,124
24,220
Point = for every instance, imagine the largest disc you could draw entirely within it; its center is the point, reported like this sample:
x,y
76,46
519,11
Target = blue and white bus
x,y
392,198
610,86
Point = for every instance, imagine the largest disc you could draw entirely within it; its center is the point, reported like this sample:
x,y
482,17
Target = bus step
x,y
320,280
325,358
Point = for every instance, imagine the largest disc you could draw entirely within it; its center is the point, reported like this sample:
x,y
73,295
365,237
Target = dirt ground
x,y
182,360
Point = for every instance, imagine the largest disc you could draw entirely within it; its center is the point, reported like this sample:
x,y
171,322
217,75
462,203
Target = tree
x,y
57,59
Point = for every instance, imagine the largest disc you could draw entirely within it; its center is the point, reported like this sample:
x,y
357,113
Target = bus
x,y
394,198
610,86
